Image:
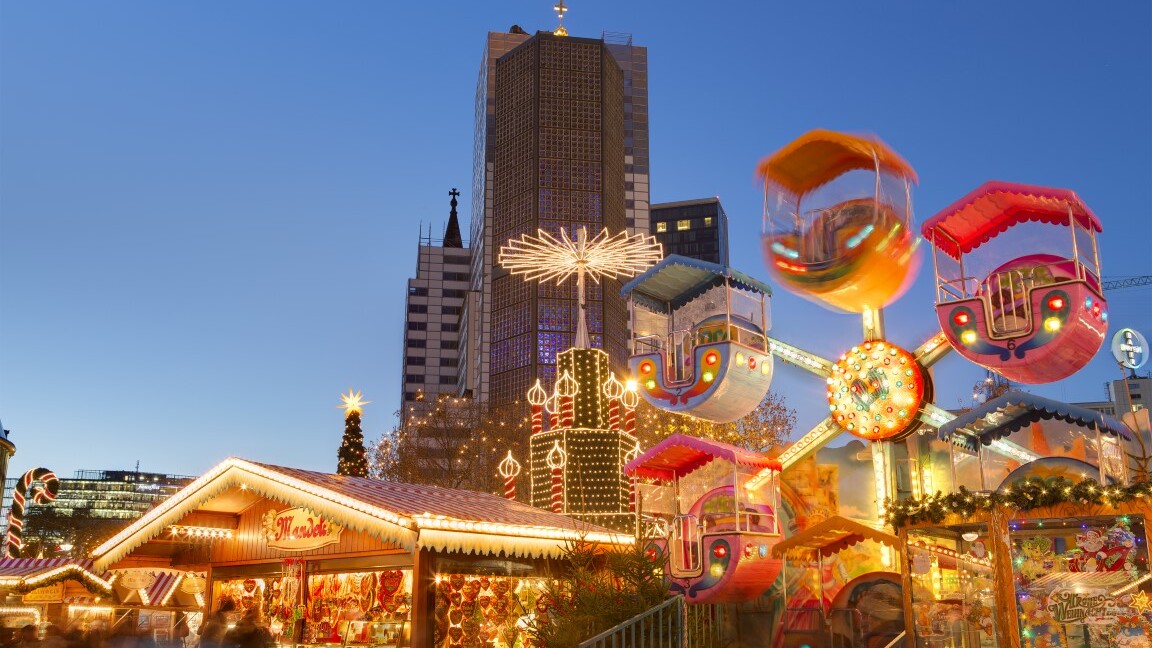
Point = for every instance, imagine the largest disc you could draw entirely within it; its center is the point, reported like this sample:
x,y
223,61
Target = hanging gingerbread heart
x,y
468,608
500,587
485,583
475,583
469,592
456,598
484,601
457,581
456,633
500,605
455,616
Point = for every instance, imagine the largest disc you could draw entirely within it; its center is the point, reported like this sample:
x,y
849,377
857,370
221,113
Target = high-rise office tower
x,y
692,228
561,141
435,303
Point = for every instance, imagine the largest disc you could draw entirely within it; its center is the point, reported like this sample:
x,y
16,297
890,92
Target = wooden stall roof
x,y
406,515
30,573
833,535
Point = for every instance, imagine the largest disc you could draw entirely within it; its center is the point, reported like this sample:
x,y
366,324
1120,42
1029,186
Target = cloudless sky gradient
x,y
208,210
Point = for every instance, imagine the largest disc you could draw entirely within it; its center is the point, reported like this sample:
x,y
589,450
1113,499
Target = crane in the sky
x,y
1127,282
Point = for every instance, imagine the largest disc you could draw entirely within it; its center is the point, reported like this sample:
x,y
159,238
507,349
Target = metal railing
x,y
672,624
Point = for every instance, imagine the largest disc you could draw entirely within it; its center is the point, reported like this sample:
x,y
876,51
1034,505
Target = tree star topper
x,y
352,402
545,257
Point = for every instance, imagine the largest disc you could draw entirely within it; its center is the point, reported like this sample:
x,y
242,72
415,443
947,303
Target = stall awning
x,y
677,280
680,454
408,516
995,206
1015,410
832,536
148,586
30,573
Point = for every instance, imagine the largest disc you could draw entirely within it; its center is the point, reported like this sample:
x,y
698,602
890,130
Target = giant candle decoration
x,y
630,399
613,389
536,398
509,469
567,387
556,460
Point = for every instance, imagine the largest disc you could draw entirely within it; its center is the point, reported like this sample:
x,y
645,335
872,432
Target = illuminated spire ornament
x,y
352,402
560,11
610,256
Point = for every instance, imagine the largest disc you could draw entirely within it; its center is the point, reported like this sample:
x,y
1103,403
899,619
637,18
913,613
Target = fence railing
x,y
672,624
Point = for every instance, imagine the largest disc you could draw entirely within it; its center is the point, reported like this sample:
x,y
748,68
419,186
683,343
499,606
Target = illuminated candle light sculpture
x,y
556,460
536,398
630,399
553,407
632,454
613,389
509,469
567,388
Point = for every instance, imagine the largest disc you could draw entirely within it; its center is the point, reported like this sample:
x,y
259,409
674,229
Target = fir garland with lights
x,y
1022,496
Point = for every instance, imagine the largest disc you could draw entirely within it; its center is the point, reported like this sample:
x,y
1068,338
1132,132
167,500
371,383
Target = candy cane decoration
x,y
40,495
613,389
509,469
556,459
536,398
567,387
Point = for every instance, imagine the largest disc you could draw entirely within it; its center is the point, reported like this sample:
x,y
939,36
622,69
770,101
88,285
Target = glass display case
x,y
953,597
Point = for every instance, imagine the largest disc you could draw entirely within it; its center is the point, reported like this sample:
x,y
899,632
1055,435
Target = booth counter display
x,y
370,608
486,611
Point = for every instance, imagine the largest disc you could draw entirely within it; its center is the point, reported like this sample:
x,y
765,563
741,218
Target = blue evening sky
x,y
208,210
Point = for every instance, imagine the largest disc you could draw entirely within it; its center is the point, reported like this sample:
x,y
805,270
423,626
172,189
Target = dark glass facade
x,y
558,164
692,228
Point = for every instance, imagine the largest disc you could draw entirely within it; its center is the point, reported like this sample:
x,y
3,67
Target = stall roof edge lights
x,y
29,572
362,504
1015,410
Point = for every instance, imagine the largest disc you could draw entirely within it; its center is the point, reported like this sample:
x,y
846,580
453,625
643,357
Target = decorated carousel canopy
x,y
832,536
1016,410
680,454
995,206
818,157
408,516
677,280
24,574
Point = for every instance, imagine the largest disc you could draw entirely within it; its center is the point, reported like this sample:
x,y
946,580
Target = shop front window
x,y
362,608
952,589
1078,582
489,611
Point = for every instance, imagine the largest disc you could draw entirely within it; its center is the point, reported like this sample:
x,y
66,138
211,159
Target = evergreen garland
x,y
1022,496
352,458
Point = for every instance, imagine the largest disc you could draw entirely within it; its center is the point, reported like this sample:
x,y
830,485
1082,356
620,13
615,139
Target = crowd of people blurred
x,y
217,631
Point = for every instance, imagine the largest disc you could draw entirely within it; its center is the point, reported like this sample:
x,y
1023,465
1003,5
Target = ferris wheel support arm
x,y
801,358
935,348
935,416
806,445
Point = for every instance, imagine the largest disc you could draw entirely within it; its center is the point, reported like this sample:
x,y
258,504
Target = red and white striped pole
x,y
536,398
630,399
556,460
613,389
509,469
567,387
632,454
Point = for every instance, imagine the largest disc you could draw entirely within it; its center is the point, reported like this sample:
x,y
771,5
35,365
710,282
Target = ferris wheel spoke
x,y
801,358
933,349
815,439
934,415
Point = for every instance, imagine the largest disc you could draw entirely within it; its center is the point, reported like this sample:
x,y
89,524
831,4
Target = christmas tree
x,y
352,459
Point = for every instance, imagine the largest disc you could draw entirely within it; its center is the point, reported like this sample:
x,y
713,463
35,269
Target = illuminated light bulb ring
x,y
876,391
23,492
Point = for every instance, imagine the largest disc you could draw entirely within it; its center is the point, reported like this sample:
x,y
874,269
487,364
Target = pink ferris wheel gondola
x,y
1033,311
721,503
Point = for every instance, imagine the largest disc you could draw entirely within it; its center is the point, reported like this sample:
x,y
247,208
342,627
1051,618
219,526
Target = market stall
x,y
49,590
1055,556
333,560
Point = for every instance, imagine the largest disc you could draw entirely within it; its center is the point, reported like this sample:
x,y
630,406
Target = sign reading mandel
x,y
298,529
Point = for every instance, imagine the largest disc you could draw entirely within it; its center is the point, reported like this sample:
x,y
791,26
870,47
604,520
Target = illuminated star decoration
x,y
545,257
352,402
1141,603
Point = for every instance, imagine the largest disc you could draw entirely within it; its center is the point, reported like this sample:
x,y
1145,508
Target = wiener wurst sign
x,y
298,529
